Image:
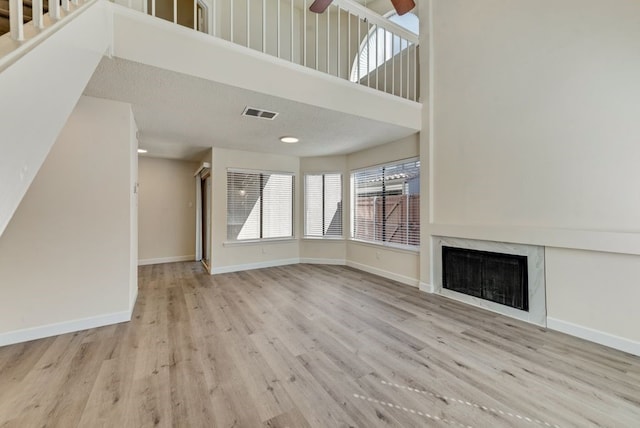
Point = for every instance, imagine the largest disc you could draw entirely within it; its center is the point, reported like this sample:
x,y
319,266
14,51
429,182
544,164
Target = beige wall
x,y
65,258
595,290
227,257
535,136
167,225
401,265
536,114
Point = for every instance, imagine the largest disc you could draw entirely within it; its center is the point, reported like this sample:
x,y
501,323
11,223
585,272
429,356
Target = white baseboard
x,y
385,274
144,262
426,287
49,330
317,261
606,339
250,266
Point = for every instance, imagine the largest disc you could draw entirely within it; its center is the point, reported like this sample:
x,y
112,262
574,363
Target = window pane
x,y
386,204
333,204
313,205
277,208
243,206
323,205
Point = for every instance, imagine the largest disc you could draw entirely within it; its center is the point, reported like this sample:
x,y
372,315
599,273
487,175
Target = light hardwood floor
x,y
319,346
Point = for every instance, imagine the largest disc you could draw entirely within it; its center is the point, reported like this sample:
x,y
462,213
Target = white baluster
x,y
175,11
38,16
377,65
338,41
304,33
415,72
384,56
328,12
349,45
358,51
54,9
16,19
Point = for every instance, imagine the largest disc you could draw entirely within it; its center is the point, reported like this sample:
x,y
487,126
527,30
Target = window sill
x,y
259,242
324,238
387,246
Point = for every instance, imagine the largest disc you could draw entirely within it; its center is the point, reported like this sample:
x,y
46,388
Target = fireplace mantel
x,y
537,313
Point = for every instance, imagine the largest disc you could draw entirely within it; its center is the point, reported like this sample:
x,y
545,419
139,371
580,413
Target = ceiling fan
x,y
401,6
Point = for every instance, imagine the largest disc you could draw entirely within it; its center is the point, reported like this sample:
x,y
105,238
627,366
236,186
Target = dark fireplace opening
x,y
500,278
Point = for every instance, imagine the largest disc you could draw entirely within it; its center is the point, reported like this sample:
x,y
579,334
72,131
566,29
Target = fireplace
x,y
497,277
502,277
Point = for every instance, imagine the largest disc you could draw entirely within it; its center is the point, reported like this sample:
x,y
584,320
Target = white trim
x,y
386,246
426,287
384,273
145,262
250,266
606,339
386,164
319,261
132,303
287,240
33,333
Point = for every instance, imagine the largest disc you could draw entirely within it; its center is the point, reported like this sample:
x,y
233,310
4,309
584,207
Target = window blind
x,y
323,205
386,204
259,205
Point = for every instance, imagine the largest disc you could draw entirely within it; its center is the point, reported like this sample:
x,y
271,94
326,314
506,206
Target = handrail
x,y
375,19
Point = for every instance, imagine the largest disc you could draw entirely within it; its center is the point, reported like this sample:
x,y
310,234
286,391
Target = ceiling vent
x,y
262,114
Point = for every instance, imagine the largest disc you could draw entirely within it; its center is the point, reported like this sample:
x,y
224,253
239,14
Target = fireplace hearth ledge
x,y
537,313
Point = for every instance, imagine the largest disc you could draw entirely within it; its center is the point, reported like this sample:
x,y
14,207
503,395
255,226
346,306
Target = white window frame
x,y
292,237
352,200
304,225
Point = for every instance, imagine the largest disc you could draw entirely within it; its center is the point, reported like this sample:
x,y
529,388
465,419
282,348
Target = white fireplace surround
x,y
537,313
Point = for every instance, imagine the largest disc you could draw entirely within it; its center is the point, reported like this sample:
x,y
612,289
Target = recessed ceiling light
x,y
289,140
142,151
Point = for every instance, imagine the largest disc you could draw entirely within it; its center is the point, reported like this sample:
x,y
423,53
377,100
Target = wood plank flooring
x,y
312,346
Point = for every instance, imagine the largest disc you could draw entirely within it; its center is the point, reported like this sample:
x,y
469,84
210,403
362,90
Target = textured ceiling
x,y
179,116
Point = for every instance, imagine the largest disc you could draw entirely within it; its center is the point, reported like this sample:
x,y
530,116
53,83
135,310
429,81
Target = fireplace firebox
x,y
499,278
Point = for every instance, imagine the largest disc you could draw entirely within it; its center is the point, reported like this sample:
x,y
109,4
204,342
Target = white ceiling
x,y
180,116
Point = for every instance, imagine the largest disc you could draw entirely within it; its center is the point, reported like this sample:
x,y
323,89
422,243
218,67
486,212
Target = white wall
x,y
608,287
167,210
537,105
535,139
65,258
230,257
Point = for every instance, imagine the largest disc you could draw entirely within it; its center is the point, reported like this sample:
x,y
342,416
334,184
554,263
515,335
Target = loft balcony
x,y
344,80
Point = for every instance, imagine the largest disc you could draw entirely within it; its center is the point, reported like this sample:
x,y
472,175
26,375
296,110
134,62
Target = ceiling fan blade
x,y
403,6
320,6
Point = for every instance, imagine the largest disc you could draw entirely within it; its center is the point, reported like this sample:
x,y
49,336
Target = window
x,y
386,204
323,205
259,205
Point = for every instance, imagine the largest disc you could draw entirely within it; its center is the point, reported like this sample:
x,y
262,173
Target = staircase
x,y
26,10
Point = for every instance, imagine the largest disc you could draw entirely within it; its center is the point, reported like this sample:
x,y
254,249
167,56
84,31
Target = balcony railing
x,y
348,40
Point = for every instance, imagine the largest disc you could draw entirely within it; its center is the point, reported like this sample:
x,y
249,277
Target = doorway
x,y
203,215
